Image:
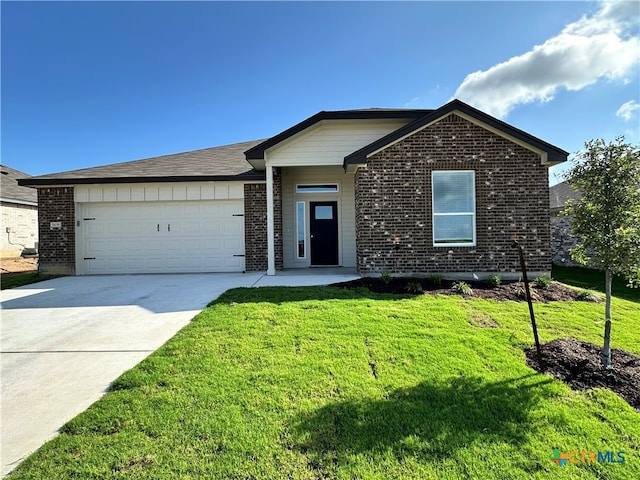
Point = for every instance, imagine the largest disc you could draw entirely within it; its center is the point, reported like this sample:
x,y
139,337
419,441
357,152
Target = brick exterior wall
x,y
393,200
255,225
57,248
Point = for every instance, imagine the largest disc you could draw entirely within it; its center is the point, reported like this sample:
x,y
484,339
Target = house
x,y
19,207
562,238
413,192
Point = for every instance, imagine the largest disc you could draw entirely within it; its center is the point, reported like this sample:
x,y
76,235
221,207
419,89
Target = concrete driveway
x,y
65,340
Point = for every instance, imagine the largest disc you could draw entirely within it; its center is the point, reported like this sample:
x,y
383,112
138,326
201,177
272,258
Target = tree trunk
x,y
606,350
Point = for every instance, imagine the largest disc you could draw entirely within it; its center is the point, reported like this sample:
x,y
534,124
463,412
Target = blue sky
x,y
89,83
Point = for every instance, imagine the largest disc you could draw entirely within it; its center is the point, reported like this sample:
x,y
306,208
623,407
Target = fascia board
x,y
543,155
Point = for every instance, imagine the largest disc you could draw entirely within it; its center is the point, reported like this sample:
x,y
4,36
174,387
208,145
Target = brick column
x,y
255,225
57,247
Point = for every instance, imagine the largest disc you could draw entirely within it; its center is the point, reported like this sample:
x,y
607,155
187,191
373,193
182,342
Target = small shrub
x,y
494,281
463,288
543,282
436,279
385,276
414,287
521,293
587,296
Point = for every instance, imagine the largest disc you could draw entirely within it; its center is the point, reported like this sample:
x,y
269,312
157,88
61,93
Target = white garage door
x,y
161,237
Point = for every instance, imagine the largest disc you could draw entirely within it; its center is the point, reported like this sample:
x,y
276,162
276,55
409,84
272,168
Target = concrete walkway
x,y
63,341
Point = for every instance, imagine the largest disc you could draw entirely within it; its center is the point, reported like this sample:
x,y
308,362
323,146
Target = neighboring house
x,y
562,238
414,192
19,207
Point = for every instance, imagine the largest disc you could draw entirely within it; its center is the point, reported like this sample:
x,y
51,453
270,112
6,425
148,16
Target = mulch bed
x,y
506,291
578,364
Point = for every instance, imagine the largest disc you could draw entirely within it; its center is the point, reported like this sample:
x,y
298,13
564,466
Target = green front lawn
x,y
328,383
13,280
591,279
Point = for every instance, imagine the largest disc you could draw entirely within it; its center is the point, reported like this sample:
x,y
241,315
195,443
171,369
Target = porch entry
x,y
323,232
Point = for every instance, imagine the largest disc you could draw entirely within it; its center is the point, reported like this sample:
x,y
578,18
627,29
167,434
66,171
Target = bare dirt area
x,y
18,265
577,363
505,291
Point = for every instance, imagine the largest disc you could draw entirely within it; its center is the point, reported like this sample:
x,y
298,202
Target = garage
x,y
160,237
177,213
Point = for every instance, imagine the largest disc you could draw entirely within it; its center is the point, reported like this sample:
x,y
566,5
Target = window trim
x,y
310,187
472,213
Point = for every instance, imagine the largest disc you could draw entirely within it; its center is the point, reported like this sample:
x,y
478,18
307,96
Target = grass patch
x,y
591,279
325,382
12,280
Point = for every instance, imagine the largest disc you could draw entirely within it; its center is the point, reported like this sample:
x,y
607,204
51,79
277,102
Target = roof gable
x,y
550,153
257,152
11,190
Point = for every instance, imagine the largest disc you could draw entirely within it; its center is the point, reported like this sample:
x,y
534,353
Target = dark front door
x,y
324,233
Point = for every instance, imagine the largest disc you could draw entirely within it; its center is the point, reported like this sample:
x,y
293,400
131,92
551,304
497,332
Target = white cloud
x,y
434,95
627,110
413,102
605,45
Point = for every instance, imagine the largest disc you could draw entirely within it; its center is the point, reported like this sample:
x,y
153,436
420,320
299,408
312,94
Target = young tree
x,y
607,217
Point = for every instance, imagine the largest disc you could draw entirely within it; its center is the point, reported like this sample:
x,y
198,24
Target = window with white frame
x,y
301,235
453,208
317,188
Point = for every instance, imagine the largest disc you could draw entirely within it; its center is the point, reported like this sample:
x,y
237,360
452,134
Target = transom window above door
x,y
324,188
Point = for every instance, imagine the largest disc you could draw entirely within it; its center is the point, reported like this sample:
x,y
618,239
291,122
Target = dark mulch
x,y
506,291
578,364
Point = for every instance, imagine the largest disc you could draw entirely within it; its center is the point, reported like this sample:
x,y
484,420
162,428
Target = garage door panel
x,y
94,246
213,226
193,246
95,228
95,266
212,209
129,229
188,228
196,236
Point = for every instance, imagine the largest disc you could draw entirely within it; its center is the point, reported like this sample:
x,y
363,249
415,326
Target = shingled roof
x,y
237,161
559,194
11,191
223,163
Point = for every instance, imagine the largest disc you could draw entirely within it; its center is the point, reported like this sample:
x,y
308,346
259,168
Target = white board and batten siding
x,y
160,228
329,142
159,192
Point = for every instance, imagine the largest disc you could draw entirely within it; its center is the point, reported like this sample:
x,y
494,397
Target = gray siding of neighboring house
x,y
562,238
562,241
